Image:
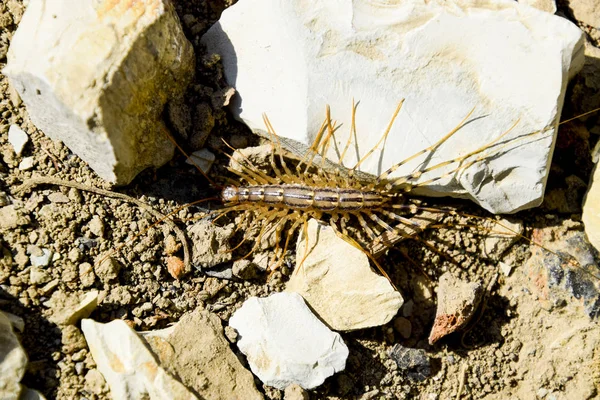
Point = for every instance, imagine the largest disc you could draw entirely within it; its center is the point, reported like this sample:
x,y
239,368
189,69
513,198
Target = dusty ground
x,y
524,343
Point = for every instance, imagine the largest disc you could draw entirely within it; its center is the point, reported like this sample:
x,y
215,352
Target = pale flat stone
x,y
128,366
198,353
17,138
338,284
13,361
591,209
96,75
285,343
511,62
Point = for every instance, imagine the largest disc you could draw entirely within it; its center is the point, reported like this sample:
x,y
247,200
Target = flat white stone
x,y
510,62
17,139
13,360
285,343
338,284
96,75
128,366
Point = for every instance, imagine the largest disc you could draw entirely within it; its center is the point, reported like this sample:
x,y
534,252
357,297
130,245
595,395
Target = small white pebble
x,y
26,164
203,158
17,138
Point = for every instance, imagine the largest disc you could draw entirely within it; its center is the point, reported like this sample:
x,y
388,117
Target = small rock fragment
x,y
42,260
245,269
38,276
212,286
107,268
413,362
295,392
17,138
96,226
221,98
72,339
337,282
26,163
202,159
456,302
13,360
68,310
285,343
12,217
86,274
128,366
176,267
171,245
100,78
209,244
58,197
94,381
196,351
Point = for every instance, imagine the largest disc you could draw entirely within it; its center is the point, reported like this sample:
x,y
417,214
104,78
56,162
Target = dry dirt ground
x,y
525,343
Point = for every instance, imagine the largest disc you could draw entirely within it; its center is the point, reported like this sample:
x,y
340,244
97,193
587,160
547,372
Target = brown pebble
x,y
175,266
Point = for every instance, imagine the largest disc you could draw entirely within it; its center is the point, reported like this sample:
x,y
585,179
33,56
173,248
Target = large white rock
x,y
128,366
511,62
337,282
285,343
96,74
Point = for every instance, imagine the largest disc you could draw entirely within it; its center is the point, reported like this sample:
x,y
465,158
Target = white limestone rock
x,y
285,343
128,365
338,284
511,62
96,75
13,361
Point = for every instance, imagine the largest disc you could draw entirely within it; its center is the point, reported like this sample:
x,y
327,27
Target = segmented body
x,y
299,197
